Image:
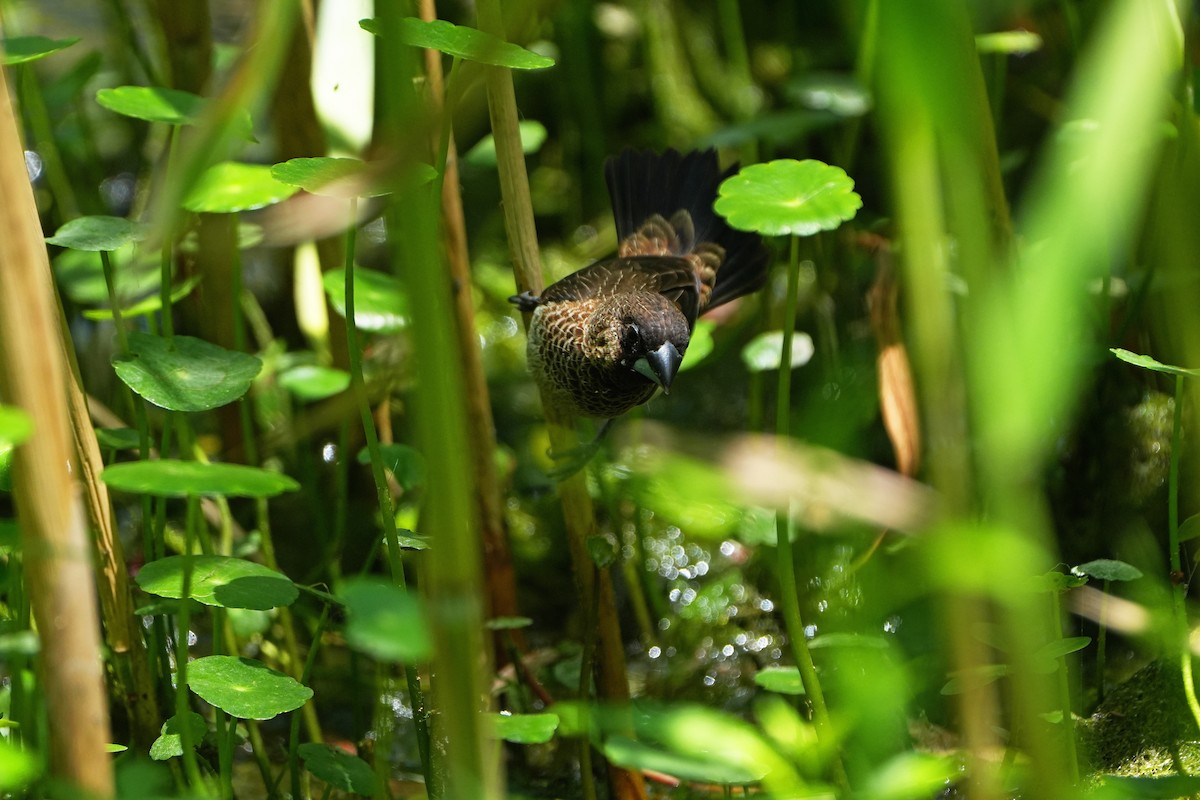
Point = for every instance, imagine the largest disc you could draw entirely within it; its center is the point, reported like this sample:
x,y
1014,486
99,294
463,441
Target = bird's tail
x,y
644,185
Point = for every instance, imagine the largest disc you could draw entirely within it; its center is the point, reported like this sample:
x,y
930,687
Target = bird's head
x,y
646,334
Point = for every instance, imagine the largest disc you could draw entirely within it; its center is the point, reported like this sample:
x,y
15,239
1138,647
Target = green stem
x,y
110,284
383,494
294,731
1064,692
190,767
1101,641
1179,600
785,564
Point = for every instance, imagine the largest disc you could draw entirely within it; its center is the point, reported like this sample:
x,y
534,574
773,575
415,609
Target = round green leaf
x,y
483,154
524,728
632,754
338,768
462,42
765,351
117,438
784,680
18,768
153,104
150,304
166,478
314,382
96,233
1146,362
244,688
1108,569
222,581
22,49
185,373
785,197
379,302
15,425
385,622
912,776
1062,647
169,743
332,177
230,187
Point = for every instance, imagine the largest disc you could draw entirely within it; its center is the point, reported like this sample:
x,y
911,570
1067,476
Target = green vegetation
x,y
277,512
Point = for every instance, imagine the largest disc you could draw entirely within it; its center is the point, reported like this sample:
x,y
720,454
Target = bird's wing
x,y
670,276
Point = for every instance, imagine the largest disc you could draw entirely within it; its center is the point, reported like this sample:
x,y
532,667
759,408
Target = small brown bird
x,y
602,340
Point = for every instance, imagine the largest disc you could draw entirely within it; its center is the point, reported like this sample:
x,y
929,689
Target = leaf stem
x,y
785,564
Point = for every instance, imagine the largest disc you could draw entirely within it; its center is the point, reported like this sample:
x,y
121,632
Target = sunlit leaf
x,y
1146,362
912,776
380,304
785,197
1107,569
169,744
483,154
185,373
524,728
784,680
15,426
18,768
702,768
700,346
334,177
166,478
463,42
153,104
1008,42
229,187
385,622
314,382
765,351
245,688
222,581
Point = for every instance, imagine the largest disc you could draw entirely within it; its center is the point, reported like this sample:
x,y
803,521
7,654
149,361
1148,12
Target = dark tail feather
x,y
644,183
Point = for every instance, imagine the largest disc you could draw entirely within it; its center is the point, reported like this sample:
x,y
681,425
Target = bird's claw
x,y
525,301
571,460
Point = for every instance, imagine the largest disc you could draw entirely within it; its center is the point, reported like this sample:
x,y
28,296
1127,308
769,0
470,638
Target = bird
x,y
607,337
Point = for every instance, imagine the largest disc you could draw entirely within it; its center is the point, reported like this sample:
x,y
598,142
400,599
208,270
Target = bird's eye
x,y
631,341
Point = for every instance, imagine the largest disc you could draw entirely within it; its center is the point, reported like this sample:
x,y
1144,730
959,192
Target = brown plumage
x,y
602,340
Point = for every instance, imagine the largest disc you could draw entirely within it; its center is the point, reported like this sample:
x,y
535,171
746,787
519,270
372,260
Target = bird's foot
x,y
573,459
568,462
525,301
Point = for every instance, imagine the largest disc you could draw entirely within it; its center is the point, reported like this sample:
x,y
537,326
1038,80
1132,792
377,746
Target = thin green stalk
x,y
1101,641
1179,601
110,284
383,494
785,564
165,259
190,766
587,779
43,132
294,731
1064,692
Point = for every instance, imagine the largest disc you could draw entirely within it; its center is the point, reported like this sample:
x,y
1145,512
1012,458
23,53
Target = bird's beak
x,y
661,365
